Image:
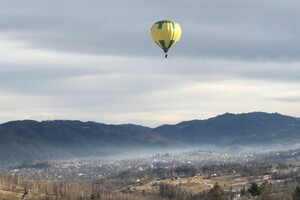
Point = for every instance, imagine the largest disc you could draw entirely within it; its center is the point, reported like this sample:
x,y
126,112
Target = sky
x,y
96,61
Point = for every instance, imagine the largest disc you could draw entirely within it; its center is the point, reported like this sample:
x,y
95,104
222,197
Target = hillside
x,y
252,129
28,139
24,140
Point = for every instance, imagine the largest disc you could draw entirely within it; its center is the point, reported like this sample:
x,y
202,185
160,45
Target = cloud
x,y
254,30
96,60
292,99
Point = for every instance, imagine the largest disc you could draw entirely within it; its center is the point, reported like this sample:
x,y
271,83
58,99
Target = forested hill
x,y
256,128
29,139
23,140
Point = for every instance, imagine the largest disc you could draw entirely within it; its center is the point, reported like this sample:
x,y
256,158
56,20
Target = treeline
x,y
207,170
13,187
265,191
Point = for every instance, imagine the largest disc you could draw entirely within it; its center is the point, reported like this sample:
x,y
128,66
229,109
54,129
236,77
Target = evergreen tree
x,y
216,193
254,190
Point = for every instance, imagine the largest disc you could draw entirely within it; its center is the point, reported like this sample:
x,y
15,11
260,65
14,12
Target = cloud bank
x,y
96,60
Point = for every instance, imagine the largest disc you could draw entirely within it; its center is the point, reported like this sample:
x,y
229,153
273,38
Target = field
x,y
196,184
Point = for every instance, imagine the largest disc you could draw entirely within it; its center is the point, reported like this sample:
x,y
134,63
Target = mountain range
x,y
58,139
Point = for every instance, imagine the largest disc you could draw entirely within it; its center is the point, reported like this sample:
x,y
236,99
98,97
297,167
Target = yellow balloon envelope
x,y
166,34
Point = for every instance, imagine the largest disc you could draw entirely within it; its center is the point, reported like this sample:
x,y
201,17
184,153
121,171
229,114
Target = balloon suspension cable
x,y
166,56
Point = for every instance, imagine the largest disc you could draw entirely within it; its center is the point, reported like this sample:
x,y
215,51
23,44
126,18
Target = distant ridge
x,y
235,129
29,139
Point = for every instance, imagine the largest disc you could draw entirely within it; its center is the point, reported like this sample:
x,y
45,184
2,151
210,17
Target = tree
x,y
92,197
216,193
296,194
243,191
254,190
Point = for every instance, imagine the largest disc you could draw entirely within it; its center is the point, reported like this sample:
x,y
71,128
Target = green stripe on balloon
x,y
171,43
160,23
162,42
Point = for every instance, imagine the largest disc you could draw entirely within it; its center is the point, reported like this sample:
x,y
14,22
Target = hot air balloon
x,y
165,34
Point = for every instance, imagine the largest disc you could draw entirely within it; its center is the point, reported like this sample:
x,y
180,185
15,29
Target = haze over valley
x,y
64,139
